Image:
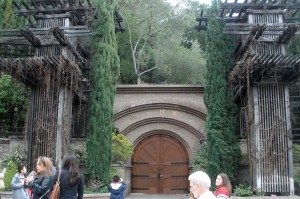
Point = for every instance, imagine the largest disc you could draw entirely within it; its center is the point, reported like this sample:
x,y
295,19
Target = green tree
x,y
151,48
221,123
8,18
104,73
13,103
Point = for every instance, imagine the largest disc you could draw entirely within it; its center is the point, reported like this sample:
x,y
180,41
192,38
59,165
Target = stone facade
x,y
176,110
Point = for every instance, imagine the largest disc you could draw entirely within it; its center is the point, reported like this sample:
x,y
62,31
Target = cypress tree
x,y
221,123
8,18
105,68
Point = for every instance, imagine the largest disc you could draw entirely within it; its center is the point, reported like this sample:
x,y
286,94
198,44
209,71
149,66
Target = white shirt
x,y
207,195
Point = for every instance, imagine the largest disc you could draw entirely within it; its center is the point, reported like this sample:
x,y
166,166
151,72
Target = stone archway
x,y
151,116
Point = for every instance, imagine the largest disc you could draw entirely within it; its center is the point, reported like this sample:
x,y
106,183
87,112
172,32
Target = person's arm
x,y
15,184
43,188
54,181
123,186
80,187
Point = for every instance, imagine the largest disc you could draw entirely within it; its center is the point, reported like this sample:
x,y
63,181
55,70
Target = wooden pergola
x,y
261,75
51,56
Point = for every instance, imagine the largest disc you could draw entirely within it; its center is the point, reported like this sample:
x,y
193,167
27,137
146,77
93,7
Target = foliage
x,y
18,155
121,148
11,170
112,172
13,103
151,48
11,162
79,151
200,159
8,19
223,152
105,69
102,189
297,180
245,190
296,152
296,158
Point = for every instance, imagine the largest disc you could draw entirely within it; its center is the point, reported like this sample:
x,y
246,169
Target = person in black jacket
x,y
40,184
117,188
71,179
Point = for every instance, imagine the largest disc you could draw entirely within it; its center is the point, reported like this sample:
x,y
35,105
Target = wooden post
x,y
58,150
289,137
257,180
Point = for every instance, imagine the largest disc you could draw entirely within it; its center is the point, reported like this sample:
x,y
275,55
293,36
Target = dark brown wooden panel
x,y
160,165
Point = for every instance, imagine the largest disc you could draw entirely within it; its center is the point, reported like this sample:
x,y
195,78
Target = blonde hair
x,y
45,162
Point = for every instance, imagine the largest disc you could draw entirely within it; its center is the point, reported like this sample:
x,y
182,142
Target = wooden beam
x,y
30,36
82,10
259,6
287,34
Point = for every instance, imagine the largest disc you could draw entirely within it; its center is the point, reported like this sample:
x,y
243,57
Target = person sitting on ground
x,y
18,182
224,188
200,184
117,188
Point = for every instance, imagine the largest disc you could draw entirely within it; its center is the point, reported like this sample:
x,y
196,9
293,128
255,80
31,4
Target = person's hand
x,y
28,180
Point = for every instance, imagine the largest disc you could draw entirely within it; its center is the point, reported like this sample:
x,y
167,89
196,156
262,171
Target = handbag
x,y
56,189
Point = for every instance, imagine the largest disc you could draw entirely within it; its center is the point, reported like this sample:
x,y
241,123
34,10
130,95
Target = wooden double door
x,y
160,165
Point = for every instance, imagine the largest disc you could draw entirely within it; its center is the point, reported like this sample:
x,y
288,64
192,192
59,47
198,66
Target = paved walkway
x,y
156,196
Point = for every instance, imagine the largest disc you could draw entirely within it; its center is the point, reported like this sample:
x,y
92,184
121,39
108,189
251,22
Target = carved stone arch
x,y
183,125
198,113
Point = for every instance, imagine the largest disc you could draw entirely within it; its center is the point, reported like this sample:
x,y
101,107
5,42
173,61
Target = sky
x,y
174,2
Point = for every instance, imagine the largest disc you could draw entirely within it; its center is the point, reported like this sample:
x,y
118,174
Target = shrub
x,y
245,190
112,172
121,148
296,152
79,151
11,162
200,159
11,170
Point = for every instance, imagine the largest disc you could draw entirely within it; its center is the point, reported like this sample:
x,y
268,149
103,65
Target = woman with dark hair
x,y
40,184
18,182
71,179
224,188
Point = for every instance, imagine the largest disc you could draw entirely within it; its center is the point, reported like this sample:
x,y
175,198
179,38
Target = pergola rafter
x,y
50,56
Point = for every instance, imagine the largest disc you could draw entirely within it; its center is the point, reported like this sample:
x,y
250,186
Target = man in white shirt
x,y
200,184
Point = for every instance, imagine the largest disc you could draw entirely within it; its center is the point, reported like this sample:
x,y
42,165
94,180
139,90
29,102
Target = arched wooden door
x,y
159,165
